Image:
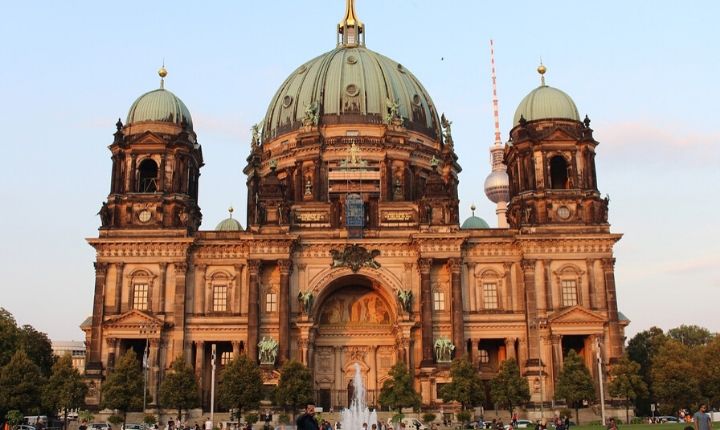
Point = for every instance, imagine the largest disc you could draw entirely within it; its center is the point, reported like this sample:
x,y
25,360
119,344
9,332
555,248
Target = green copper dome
x,y
350,84
229,224
546,102
474,223
159,105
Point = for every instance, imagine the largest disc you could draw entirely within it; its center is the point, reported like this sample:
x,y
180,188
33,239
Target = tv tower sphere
x,y
497,186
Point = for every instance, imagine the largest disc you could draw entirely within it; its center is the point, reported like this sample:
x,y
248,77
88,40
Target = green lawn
x,y
680,426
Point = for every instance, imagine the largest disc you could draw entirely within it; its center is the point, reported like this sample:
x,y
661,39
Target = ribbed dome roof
x,y
352,81
546,102
474,223
159,105
229,224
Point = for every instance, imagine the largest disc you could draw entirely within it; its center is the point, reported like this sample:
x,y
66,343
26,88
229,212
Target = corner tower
x,y
551,164
156,164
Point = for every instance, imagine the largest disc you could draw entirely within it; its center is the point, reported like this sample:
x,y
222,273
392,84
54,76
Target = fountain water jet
x,y
358,412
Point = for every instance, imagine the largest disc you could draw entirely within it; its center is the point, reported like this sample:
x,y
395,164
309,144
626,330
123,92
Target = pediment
x,y
577,315
149,138
134,319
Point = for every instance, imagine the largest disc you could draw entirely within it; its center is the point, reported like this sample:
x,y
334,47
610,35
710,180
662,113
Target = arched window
x,y
559,173
147,176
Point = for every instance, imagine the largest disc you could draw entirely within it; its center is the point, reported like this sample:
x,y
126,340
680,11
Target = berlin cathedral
x,y
352,250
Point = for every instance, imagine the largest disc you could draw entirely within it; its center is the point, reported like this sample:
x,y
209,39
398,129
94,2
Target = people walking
x,y
307,421
701,420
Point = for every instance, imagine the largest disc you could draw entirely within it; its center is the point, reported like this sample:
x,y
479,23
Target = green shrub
x,y
14,417
428,418
251,418
149,419
463,416
115,419
397,418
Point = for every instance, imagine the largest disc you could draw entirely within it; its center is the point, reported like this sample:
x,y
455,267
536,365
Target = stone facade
x,y
353,254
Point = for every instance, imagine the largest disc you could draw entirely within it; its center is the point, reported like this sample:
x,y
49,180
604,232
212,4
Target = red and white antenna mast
x,y
496,114
497,183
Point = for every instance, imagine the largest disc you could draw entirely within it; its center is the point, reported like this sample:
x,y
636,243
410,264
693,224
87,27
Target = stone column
x,y
254,267
154,369
509,287
528,267
161,287
130,182
548,285
616,341
161,173
98,312
426,304
285,267
458,322
510,347
236,306
112,343
472,286
592,287
179,309
236,348
199,304
118,286
200,366
557,355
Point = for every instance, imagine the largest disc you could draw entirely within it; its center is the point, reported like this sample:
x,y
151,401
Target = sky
x,y
646,73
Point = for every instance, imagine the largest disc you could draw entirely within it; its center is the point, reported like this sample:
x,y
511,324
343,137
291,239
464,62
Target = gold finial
x,y
162,71
231,210
542,69
350,27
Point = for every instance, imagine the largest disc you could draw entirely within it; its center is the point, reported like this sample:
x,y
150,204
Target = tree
x,y
466,386
690,335
710,369
179,389
240,384
123,389
641,349
575,383
509,388
397,392
8,336
675,376
20,380
65,389
38,348
626,382
295,387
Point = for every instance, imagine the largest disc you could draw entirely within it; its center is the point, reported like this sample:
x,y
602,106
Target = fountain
x,y
358,413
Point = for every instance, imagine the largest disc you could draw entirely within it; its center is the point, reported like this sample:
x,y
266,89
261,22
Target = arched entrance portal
x,y
356,323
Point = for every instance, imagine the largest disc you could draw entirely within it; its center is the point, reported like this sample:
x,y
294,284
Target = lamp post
x,y
212,384
600,377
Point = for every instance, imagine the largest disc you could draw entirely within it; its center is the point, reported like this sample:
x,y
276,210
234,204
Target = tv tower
x,y
497,182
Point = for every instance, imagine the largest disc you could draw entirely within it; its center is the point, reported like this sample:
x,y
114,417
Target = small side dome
x,y
229,224
159,105
474,222
546,102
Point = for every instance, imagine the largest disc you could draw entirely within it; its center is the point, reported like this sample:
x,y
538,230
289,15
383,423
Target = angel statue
x,y
447,131
268,350
443,350
306,301
256,131
393,111
311,115
405,299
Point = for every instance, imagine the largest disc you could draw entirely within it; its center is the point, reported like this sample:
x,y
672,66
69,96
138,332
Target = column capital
x,y
100,268
424,264
507,266
608,264
454,264
111,341
285,266
180,267
254,266
528,265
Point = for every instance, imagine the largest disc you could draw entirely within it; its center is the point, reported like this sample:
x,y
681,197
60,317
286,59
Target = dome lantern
x,y
350,31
